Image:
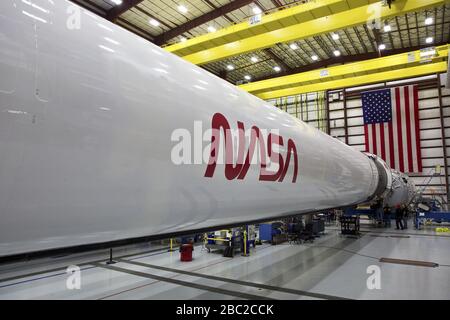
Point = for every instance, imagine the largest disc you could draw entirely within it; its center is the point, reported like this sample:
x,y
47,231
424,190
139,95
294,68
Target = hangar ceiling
x,y
200,29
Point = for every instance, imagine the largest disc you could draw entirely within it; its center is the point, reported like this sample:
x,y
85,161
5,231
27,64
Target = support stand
x,y
110,261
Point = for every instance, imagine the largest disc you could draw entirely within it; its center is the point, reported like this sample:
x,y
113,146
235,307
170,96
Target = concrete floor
x,y
332,267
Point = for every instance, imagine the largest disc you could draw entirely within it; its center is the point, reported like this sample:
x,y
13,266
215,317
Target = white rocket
x,y
92,118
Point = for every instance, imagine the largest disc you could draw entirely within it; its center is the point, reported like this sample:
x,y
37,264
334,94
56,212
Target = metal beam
x,y
324,24
377,77
214,14
301,12
283,65
212,5
350,69
91,6
126,5
400,33
277,3
148,14
134,29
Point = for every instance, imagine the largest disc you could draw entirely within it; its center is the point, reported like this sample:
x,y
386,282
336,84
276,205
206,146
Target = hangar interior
x,y
314,60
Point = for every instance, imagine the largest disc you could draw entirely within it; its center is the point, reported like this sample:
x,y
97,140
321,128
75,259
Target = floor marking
x,y
153,282
410,262
239,282
374,231
40,278
65,268
185,283
399,236
406,233
135,255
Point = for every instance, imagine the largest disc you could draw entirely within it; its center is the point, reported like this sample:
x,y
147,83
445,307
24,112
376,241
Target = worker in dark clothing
x,y
405,217
399,217
387,217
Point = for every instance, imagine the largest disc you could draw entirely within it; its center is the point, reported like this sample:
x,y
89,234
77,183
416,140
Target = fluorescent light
x,y
230,67
257,10
428,21
247,77
335,36
429,40
117,2
183,39
211,29
293,46
254,59
314,58
182,8
277,69
337,53
382,46
154,22
387,28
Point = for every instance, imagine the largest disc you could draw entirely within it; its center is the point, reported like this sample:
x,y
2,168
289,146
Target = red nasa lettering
x,y
239,169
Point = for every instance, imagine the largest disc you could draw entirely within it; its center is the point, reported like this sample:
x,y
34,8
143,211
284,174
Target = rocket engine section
x,y
401,192
394,188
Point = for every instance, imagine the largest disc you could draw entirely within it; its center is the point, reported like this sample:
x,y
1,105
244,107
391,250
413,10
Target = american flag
x,y
391,126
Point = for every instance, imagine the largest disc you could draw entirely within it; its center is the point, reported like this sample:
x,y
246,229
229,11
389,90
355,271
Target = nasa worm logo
x,y
244,159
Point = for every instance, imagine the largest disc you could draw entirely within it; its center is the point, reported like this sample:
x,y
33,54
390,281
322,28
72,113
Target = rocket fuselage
x,y
88,119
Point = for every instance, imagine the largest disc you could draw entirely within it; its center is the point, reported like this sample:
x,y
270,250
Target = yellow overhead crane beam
x,y
398,74
346,70
279,19
302,30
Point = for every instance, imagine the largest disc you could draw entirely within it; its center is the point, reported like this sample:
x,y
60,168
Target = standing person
x,y
387,216
405,217
399,217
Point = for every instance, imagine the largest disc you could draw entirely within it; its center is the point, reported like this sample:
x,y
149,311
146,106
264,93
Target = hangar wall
x,y
341,116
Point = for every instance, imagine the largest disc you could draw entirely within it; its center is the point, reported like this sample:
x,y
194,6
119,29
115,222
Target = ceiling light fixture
x,y
154,22
257,10
182,8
